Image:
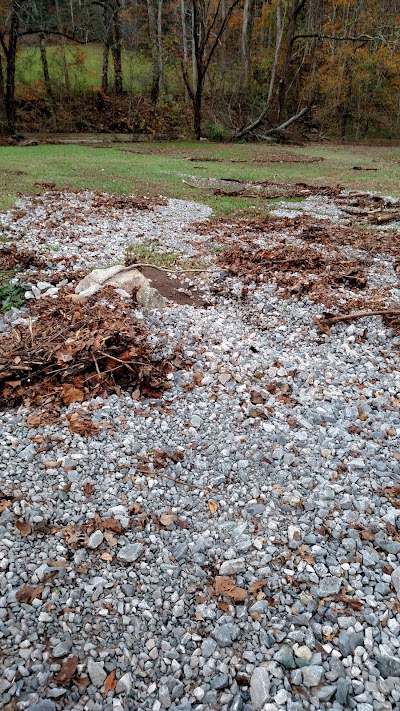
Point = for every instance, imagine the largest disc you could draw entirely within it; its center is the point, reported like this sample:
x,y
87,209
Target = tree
x,y
208,27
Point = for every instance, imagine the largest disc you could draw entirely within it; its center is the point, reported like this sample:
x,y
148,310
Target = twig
x,y
329,320
97,366
165,269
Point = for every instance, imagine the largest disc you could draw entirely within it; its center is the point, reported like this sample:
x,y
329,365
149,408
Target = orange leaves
x,y
212,506
110,683
71,394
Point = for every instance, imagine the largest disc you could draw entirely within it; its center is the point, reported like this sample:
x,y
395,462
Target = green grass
x,y
84,64
162,168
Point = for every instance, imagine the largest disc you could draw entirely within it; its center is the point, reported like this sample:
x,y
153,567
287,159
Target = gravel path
x,y
281,468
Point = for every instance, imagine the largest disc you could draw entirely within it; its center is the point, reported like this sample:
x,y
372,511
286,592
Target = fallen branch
x,y
327,321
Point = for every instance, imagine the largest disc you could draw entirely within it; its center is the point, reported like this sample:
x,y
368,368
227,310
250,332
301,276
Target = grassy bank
x,y
165,169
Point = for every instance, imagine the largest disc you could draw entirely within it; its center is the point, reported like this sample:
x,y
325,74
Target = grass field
x,y
162,168
84,68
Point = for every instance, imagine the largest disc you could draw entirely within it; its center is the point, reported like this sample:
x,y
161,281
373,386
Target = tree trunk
x,y
154,41
62,46
3,116
247,31
46,76
197,103
117,55
106,47
45,65
184,44
297,6
10,71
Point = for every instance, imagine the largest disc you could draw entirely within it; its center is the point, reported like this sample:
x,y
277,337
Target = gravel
x,y
298,499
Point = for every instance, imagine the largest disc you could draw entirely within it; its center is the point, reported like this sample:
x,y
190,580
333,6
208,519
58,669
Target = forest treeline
x,y
238,69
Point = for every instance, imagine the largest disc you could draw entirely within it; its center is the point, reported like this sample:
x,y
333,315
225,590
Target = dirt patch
x,y
71,351
174,289
9,171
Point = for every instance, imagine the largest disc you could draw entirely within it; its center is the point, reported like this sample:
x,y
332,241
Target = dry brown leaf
x,y
67,671
5,504
257,585
110,538
306,555
27,593
256,398
57,563
226,587
256,616
135,508
197,378
225,607
181,523
107,557
50,464
112,524
24,527
110,683
367,535
166,519
88,489
213,506
71,394
83,681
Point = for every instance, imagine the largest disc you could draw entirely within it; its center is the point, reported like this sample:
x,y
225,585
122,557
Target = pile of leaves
x,y
271,190
68,351
298,270
12,258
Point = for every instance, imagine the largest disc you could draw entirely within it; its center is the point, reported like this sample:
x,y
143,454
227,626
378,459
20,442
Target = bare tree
x,y
208,27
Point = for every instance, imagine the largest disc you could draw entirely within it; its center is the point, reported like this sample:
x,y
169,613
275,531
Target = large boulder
x,y
126,278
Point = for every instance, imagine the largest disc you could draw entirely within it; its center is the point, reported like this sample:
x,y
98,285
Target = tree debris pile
x,y
12,258
242,228
271,190
298,270
68,351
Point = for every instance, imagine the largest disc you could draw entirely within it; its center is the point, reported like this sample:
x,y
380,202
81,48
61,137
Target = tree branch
x,y
358,38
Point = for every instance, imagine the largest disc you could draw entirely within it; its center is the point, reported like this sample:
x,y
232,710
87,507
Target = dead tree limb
x,y
325,322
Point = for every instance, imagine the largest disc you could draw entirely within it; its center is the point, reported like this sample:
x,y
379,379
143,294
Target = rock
x,y
195,421
285,657
312,675
44,705
232,567
325,693
164,697
388,666
124,684
237,703
149,298
130,553
96,673
303,653
348,641
126,278
220,681
44,285
259,687
226,634
208,647
95,540
396,581
329,586
294,533
342,690
62,649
